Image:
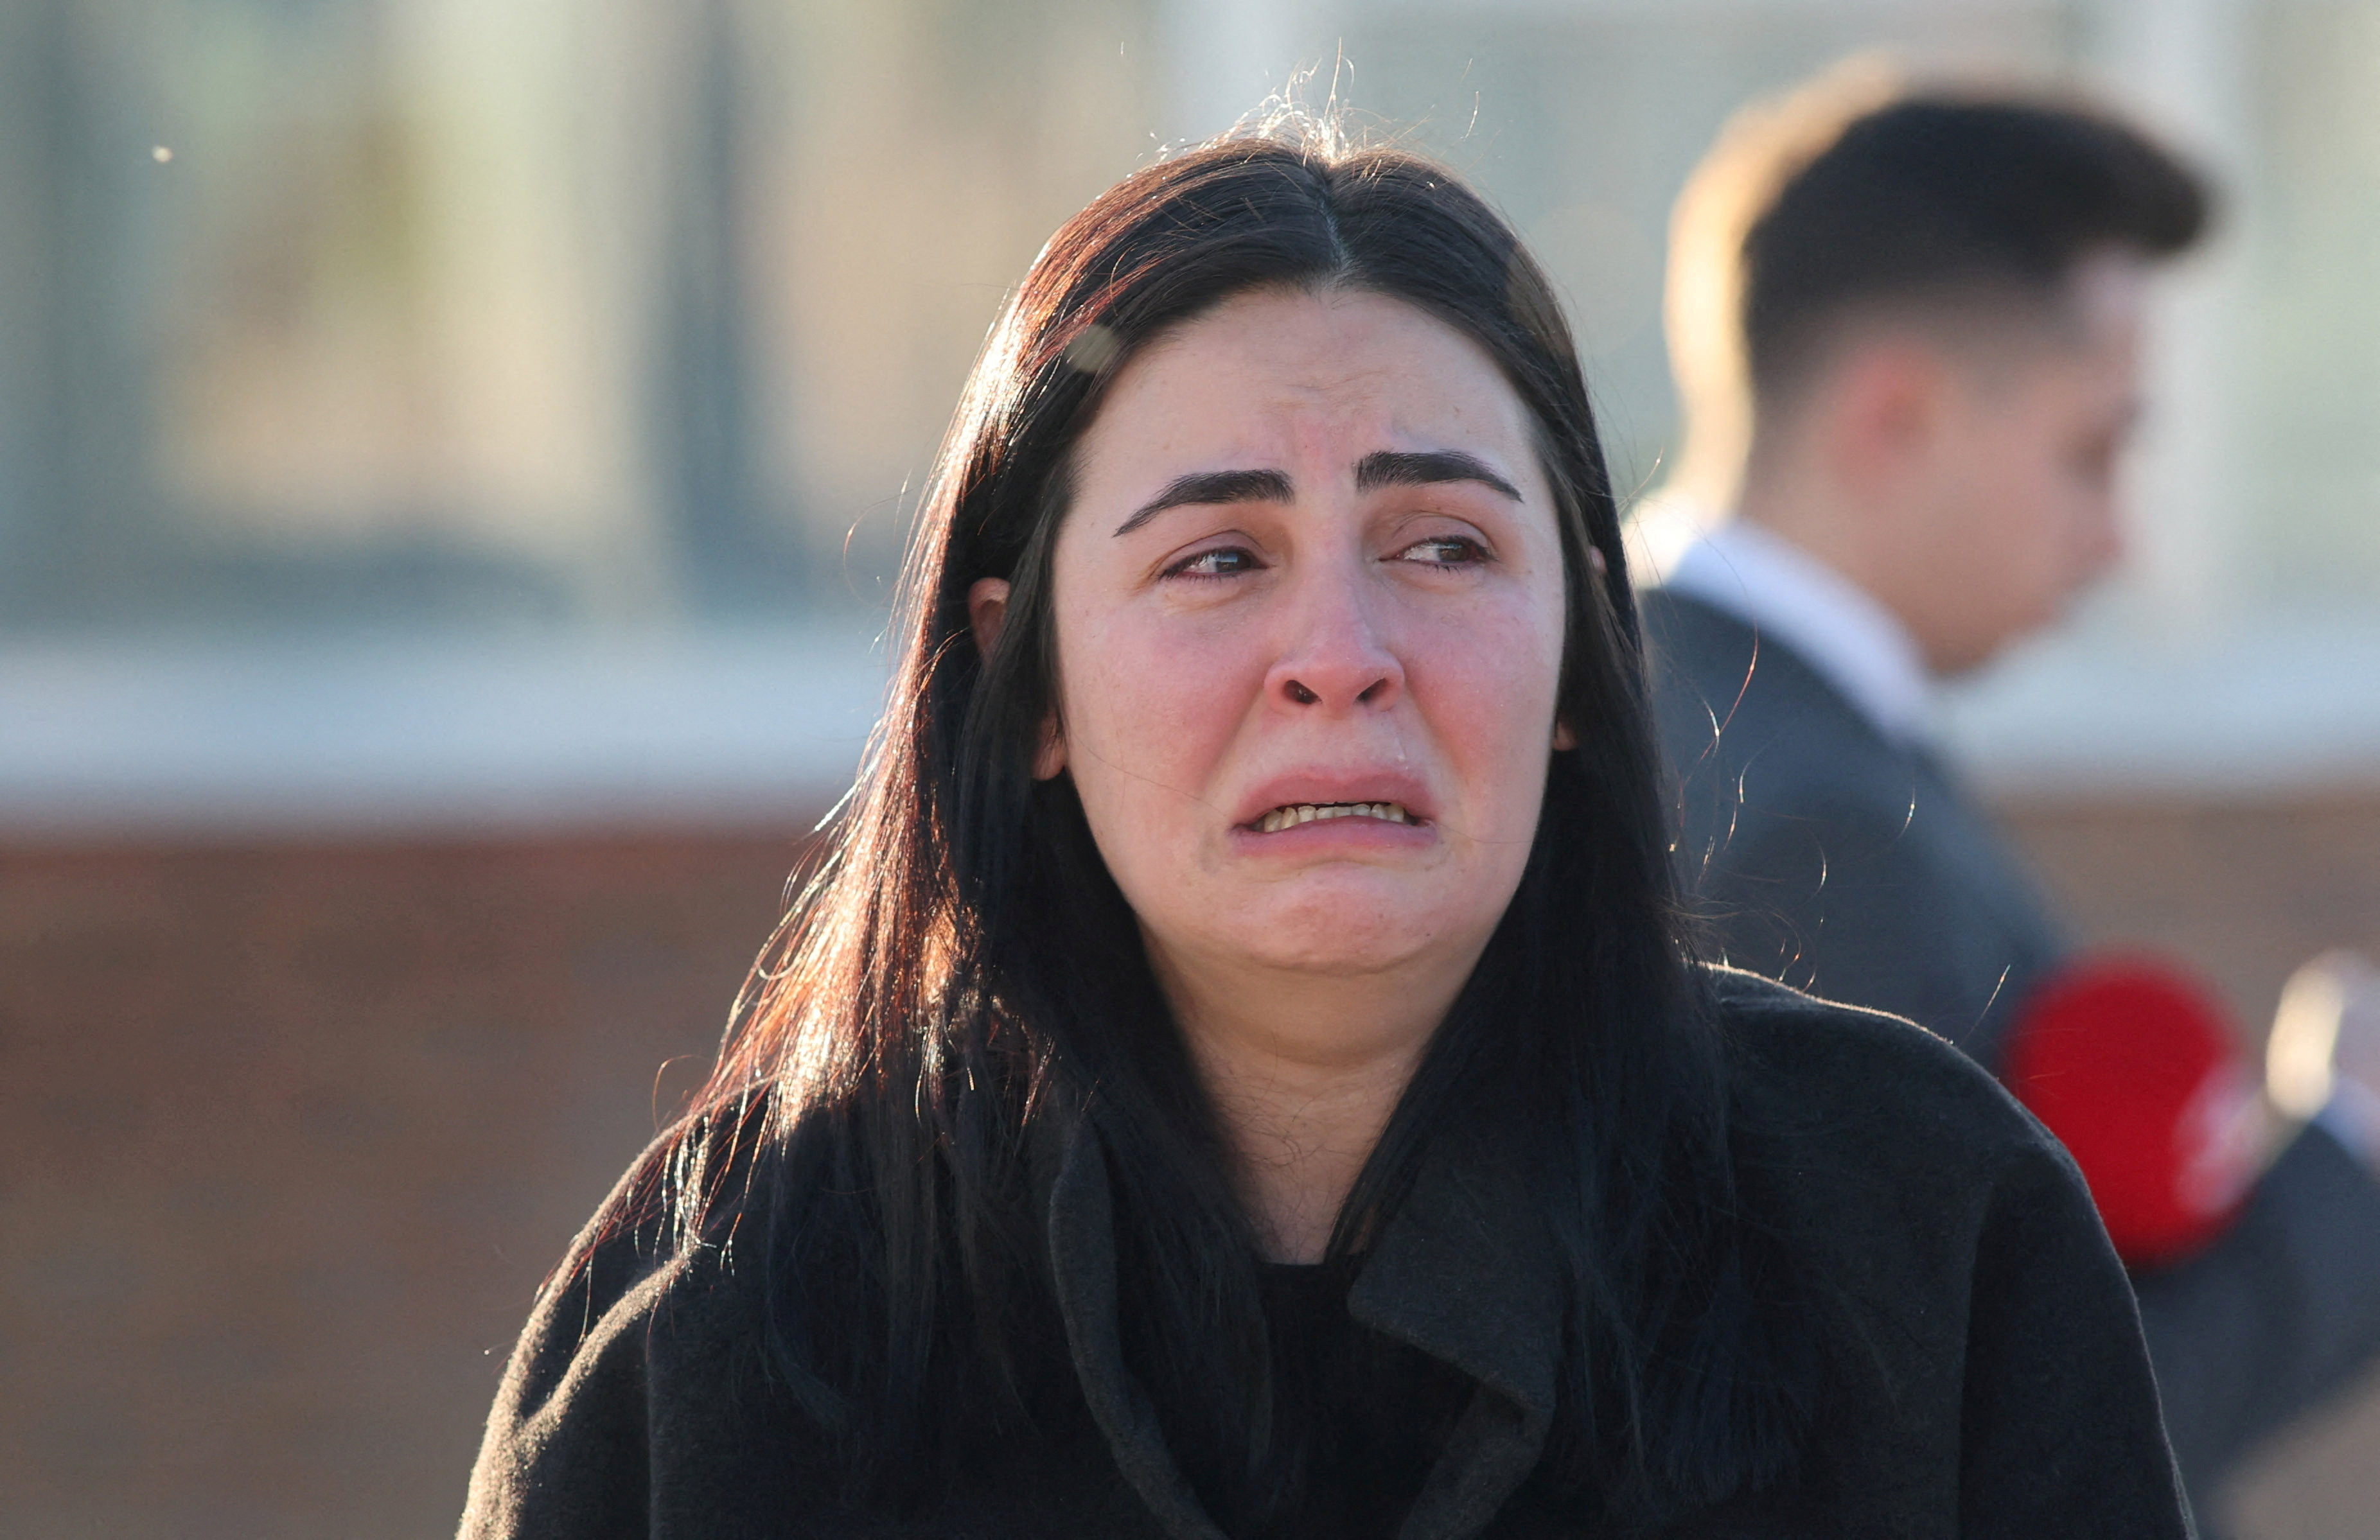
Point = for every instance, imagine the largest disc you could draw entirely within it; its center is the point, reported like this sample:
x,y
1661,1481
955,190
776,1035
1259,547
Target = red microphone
x,y
2129,1061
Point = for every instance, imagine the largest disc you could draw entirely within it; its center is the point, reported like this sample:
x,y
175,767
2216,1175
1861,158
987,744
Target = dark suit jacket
x,y
1823,855
1984,1376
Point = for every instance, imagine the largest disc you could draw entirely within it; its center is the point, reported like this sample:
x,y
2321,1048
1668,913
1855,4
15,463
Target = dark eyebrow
x,y
1212,485
1390,469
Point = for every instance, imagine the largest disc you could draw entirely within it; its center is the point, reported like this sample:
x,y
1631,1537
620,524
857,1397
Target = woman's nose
x,y
1335,657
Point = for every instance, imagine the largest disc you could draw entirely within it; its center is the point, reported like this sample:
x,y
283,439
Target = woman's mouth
x,y
1289,815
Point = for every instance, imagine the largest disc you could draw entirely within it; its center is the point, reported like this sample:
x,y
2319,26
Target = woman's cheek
x,y
1491,690
1162,706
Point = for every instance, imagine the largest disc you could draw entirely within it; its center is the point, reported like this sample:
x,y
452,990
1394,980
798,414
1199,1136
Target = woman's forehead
x,y
1297,375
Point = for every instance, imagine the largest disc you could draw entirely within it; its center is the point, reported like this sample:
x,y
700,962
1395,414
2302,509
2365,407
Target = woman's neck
x,y
1304,1072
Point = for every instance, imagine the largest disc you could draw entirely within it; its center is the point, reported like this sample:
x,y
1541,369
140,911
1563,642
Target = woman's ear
x,y
987,613
1564,737
987,609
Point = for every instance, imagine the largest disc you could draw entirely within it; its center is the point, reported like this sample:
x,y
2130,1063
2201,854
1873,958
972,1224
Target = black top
x,y
1363,1416
1984,1374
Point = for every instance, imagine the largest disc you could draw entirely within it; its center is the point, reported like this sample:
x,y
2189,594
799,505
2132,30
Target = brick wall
x,y
289,1132
288,1136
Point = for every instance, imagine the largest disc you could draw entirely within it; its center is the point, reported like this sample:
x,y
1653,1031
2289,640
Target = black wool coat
x,y
1985,1374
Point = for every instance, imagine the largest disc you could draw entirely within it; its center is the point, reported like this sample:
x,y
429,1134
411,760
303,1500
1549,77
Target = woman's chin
x,y
1339,931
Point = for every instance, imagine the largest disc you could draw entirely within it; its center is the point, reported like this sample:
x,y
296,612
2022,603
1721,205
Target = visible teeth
x,y
1308,812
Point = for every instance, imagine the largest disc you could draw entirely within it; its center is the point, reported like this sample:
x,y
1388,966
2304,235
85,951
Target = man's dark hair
x,y
1950,201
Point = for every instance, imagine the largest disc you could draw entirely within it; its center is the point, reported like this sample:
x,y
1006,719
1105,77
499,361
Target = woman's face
x,y
1309,608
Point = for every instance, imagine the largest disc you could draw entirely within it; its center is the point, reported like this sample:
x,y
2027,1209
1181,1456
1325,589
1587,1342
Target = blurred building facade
x,y
601,312
418,318
452,461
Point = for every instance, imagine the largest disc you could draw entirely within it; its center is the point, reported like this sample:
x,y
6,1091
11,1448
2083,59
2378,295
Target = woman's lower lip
x,y
1333,831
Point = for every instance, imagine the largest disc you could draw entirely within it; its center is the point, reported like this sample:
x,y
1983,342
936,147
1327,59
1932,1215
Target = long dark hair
x,y
960,966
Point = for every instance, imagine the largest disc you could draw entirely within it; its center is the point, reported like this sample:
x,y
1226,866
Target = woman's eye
x,y
1228,560
1444,551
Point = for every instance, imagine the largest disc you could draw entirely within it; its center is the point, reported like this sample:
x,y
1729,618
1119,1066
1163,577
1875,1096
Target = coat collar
x,y
1463,1271
1845,634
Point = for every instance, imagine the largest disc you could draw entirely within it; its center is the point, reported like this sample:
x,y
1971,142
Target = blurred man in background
x,y
1908,329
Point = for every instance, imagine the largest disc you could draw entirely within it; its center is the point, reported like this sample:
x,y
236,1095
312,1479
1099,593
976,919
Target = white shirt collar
x,y
1855,643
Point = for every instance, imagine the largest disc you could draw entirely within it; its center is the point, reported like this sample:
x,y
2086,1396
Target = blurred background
x,y
451,460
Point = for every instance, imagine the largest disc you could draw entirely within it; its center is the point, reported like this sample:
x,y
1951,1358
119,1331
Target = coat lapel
x,y
1464,1272
1083,1265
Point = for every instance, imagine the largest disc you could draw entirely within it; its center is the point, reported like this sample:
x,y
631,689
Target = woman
x,y
1238,1070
